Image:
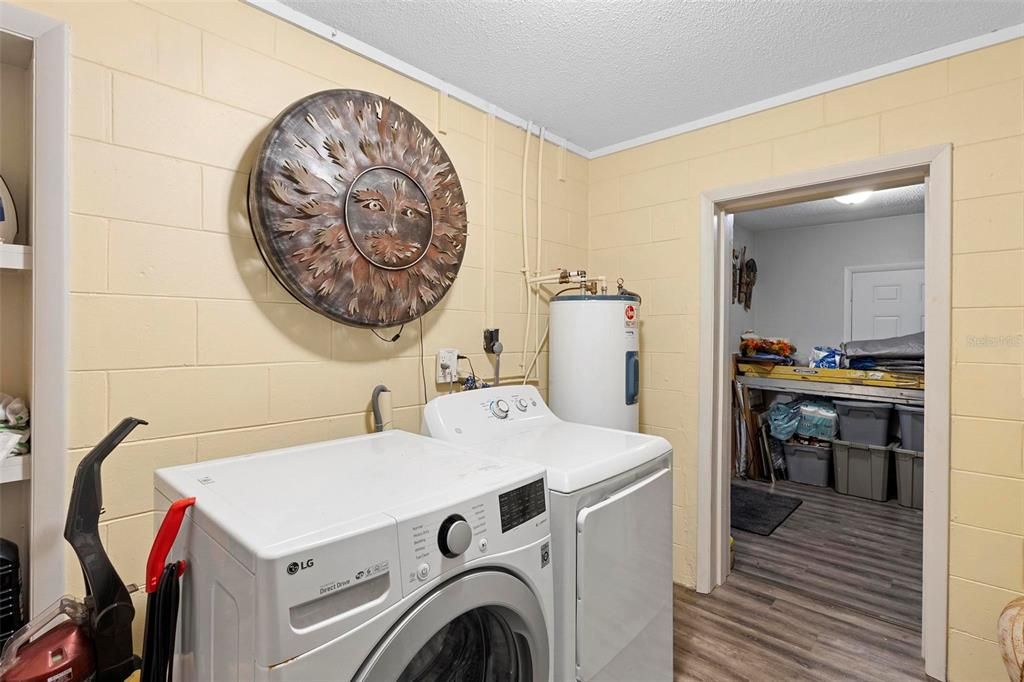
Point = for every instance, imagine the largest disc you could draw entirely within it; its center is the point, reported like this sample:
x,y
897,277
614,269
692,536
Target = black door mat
x,y
758,511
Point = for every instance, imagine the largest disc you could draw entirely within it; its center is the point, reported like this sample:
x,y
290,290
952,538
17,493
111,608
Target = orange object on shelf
x,y
781,347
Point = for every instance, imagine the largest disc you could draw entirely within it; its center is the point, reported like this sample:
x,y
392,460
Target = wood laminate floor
x,y
833,594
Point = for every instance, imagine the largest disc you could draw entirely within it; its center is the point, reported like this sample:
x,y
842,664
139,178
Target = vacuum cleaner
x,y
93,638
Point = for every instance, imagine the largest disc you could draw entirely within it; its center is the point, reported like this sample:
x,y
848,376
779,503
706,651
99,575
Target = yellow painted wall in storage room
x,y
174,315
644,224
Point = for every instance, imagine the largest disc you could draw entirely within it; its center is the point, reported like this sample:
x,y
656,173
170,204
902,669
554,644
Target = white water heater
x,y
594,361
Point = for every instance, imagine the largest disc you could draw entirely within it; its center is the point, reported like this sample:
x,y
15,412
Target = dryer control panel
x,y
434,544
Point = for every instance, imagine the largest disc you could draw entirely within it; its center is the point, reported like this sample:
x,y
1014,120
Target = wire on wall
x,y
393,339
471,368
423,368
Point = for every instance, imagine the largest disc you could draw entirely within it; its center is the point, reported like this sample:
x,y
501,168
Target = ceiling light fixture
x,y
855,198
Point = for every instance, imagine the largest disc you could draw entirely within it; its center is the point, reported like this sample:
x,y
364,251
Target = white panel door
x,y
886,303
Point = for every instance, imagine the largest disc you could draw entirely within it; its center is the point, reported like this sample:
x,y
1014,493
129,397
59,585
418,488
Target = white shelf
x,y
17,468
15,257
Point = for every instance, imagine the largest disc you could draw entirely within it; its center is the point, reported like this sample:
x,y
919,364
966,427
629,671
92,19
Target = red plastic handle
x,y
163,541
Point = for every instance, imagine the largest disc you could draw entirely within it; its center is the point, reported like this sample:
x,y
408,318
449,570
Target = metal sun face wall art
x,y
357,209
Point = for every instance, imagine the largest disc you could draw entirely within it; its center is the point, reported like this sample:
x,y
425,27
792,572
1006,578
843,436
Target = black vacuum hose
x,y
161,624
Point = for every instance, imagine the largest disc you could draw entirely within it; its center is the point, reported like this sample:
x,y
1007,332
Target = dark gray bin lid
x,y
867,405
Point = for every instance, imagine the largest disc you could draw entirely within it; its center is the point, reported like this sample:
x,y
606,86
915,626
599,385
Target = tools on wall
x,y
744,277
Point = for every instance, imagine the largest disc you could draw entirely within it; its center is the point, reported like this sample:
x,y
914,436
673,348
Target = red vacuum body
x,y
64,653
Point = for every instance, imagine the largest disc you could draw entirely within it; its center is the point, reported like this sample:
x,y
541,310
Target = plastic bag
x,y
783,419
817,420
826,357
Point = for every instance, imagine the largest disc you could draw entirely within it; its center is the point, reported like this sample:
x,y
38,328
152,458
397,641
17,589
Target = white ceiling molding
x,y
938,54
319,28
352,44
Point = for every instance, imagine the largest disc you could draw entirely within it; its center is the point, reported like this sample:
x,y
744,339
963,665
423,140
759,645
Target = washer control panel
x,y
508,404
478,415
499,408
436,543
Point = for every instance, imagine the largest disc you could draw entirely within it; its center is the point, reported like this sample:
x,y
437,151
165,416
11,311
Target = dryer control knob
x,y
521,405
455,536
499,408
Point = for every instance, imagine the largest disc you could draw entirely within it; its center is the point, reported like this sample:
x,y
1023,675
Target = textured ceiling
x,y
882,204
600,72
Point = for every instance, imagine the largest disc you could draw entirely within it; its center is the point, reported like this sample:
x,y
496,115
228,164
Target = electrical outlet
x,y
447,365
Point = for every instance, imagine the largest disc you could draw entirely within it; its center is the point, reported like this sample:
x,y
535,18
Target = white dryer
x,y
383,557
611,527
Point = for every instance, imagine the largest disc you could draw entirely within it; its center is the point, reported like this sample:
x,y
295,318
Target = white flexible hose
x,y
526,248
536,289
536,356
539,282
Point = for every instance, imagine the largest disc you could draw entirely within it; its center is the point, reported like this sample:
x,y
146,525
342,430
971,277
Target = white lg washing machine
x,y
383,557
611,527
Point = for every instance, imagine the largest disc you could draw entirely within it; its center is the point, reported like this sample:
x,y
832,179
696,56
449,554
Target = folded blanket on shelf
x,y
770,357
909,347
905,366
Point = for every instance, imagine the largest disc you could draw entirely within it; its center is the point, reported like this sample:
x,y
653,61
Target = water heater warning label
x,y
630,315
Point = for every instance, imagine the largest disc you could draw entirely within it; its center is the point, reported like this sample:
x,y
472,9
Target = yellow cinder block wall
x,y
644,213
175,317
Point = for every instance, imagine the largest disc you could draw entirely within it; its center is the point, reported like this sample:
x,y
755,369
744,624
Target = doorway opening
x,y
832,292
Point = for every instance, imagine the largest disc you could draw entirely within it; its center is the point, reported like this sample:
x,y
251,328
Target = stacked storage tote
x,y
594,375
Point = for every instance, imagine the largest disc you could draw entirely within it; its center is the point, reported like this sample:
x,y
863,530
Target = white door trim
x,y
49,230
848,273
714,416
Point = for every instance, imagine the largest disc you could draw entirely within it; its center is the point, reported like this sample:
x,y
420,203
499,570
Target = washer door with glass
x,y
484,626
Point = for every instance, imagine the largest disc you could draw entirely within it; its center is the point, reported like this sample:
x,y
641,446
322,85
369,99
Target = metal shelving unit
x,y
896,396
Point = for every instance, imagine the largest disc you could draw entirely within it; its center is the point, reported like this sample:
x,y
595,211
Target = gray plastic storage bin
x,y
862,422
910,477
808,464
911,427
862,470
